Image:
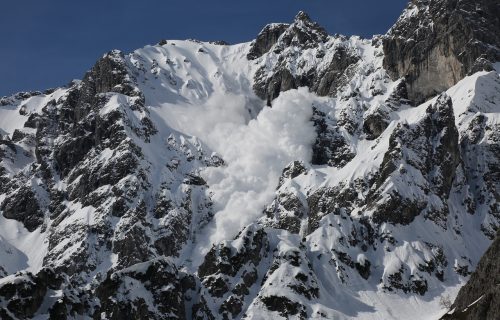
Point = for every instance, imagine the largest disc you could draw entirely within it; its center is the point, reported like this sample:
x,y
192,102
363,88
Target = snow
x,y
10,117
23,250
212,99
201,100
256,155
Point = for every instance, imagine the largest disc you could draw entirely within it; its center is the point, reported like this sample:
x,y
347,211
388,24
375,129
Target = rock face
x,y
436,43
435,140
22,205
480,297
228,273
126,194
290,72
92,135
266,39
150,290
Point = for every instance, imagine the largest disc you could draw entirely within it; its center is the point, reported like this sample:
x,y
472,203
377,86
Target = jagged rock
x,y
9,144
337,73
396,281
327,201
480,297
222,260
133,247
363,269
304,34
22,205
194,180
482,142
291,171
284,306
266,39
330,147
71,152
221,266
150,290
435,140
24,294
378,117
375,124
286,212
17,135
219,42
120,195
301,280
176,221
434,44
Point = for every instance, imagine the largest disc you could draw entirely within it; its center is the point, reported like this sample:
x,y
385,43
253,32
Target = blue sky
x,y
47,43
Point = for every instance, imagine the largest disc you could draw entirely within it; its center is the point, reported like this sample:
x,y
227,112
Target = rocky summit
x,y
298,176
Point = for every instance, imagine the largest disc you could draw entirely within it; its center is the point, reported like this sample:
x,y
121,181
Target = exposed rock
x,y
286,212
115,198
266,39
284,306
330,147
291,171
435,140
480,297
151,290
23,296
436,43
221,266
375,124
326,201
303,34
192,179
22,205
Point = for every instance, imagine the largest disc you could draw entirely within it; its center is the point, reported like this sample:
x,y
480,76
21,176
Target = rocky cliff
x,y
480,297
436,43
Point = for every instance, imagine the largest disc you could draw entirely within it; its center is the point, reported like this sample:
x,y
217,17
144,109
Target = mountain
x,y
300,175
480,297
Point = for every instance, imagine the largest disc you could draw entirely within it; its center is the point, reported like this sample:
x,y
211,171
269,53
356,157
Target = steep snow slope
x,y
209,95
288,177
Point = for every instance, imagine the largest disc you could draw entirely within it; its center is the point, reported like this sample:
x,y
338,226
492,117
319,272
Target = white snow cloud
x,y
255,151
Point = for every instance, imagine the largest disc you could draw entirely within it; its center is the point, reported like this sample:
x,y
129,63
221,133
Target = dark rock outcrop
x,y
480,297
330,147
266,39
435,140
228,273
436,43
303,34
22,205
151,290
284,306
291,171
24,295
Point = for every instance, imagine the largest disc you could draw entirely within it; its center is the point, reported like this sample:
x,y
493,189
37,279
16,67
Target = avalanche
x,y
289,177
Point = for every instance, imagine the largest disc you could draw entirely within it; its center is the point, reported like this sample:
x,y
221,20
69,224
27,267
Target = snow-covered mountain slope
x,y
287,177
480,297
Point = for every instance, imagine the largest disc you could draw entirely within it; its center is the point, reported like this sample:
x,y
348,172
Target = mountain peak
x,y
465,30
302,16
303,32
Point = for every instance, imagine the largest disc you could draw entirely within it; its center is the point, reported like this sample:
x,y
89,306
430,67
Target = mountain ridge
x,y
260,180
